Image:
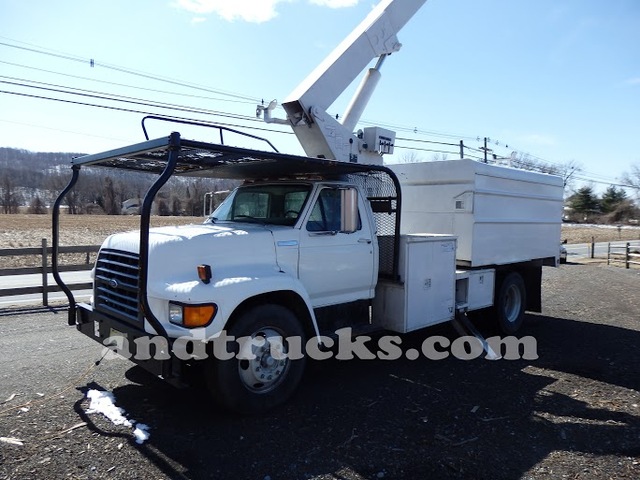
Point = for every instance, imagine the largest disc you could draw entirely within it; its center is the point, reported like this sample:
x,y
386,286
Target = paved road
x,y
581,250
17,281
575,409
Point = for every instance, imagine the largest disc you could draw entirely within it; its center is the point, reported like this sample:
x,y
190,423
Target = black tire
x,y
256,386
510,304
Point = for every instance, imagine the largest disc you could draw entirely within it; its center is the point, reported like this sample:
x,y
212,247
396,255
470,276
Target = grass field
x,y
24,230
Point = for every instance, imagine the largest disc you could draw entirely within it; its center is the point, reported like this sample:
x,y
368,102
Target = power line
x,y
427,141
84,60
78,77
427,150
239,98
59,130
125,99
140,112
93,63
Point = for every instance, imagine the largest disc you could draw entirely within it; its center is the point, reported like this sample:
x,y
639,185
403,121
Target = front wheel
x,y
510,304
261,376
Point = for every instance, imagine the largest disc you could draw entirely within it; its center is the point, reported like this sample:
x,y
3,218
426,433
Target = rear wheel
x,y
262,376
511,301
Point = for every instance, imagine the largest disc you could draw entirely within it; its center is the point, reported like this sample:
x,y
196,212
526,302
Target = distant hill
x,y
28,169
35,178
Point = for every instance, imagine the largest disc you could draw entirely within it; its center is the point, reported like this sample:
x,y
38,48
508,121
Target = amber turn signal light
x,y
204,273
198,315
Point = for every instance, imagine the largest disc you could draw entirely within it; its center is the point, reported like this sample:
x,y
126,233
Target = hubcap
x,y
512,303
268,368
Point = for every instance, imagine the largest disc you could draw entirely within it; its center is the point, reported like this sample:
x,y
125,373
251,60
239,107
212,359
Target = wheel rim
x,y
265,371
512,303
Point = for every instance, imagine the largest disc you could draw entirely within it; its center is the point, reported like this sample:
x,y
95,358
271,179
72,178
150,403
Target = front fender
x,y
227,293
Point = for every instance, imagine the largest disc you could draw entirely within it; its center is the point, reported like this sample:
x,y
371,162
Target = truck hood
x,y
177,250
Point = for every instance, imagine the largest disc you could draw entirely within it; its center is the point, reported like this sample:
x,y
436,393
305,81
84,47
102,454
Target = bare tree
x,y
566,170
632,178
176,205
109,203
9,195
57,183
195,197
410,156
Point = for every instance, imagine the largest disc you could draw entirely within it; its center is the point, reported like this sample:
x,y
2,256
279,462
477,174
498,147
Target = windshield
x,y
276,204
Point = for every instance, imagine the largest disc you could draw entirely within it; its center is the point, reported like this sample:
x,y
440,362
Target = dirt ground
x,y
26,231
23,230
576,233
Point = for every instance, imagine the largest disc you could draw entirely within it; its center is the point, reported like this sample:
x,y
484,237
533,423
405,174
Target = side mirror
x,y
349,210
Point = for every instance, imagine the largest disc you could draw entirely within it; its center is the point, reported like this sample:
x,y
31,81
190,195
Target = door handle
x,y
364,240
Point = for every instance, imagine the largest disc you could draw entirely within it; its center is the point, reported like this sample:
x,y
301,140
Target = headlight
x,y
192,316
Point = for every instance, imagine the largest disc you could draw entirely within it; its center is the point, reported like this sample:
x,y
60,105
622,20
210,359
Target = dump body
x,y
500,215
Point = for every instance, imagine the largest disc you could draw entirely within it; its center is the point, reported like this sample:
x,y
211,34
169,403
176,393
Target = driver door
x,y
336,266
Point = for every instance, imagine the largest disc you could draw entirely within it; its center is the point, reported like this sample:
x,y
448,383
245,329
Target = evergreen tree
x,y
584,201
37,206
612,198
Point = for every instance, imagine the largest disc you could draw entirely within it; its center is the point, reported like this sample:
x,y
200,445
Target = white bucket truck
x,y
306,246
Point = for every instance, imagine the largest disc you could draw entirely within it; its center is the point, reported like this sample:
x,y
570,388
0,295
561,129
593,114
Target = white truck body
x,y
454,216
500,215
321,240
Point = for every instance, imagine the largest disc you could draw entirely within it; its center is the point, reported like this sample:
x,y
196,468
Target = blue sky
x,y
556,79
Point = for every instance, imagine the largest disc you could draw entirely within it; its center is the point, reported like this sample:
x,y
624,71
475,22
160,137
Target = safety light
x,y
204,273
192,316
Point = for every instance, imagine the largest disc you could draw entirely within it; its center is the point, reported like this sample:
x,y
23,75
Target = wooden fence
x,y
622,254
44,252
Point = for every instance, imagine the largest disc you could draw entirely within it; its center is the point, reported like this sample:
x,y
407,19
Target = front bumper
x,y
100,327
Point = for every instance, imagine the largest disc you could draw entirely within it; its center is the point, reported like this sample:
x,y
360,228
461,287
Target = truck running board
x,y
464,327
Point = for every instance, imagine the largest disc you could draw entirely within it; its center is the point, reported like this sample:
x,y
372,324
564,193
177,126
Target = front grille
x,y
116,284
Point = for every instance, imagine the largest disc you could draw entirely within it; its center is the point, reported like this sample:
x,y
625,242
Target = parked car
x,y
563,254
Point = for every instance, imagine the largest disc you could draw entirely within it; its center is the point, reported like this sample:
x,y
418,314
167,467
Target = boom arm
x,y
319,133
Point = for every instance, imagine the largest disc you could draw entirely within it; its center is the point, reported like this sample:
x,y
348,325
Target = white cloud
x,y
633,81
255,11
334,3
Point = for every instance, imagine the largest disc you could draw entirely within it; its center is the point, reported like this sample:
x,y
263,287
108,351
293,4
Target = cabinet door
x,y
429,282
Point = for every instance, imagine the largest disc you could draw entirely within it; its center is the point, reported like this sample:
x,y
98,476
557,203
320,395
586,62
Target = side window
x,y
326,213
293,203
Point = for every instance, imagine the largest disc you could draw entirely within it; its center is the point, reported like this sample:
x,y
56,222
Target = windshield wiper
x,y
249,218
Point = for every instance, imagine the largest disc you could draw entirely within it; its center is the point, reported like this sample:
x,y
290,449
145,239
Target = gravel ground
x,y
572,413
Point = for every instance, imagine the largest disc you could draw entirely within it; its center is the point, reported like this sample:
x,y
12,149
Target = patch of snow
x,y
597,225
104,402
141,433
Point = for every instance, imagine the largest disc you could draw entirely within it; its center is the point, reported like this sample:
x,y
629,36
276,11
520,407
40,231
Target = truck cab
x,y
322,234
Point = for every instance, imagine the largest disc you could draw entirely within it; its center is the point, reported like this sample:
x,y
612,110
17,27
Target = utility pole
x,y
485,149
